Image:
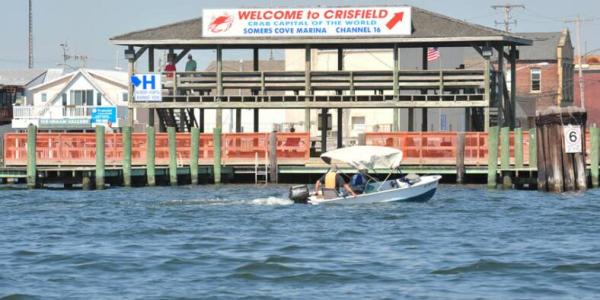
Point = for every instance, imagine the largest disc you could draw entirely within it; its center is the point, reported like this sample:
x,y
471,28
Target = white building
x,y
71,101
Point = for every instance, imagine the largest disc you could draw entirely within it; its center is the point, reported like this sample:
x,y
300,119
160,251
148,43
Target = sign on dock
x,y
572,136
308,22
147,87
104,115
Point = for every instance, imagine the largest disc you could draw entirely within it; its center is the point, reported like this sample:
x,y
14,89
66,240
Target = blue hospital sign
x,y
103,115
147,87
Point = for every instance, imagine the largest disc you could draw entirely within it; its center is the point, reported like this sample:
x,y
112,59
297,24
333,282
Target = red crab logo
x,y
220,23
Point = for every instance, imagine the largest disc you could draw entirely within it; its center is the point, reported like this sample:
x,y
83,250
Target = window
x,y
99,99
64,99
44,97
125,96
536,80
82,97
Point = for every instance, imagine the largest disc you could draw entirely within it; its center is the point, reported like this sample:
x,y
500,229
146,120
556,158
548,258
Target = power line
x,y
507,14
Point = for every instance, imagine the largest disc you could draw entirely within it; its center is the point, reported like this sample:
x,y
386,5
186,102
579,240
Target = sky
x,y
87,25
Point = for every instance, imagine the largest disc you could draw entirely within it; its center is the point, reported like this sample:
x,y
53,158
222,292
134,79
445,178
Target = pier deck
x,y
68,157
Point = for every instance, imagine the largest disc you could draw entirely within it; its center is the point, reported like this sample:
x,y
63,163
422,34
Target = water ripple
x,y
250,242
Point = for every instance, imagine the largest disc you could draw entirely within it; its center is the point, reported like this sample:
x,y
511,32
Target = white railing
x,y
36,115
53,112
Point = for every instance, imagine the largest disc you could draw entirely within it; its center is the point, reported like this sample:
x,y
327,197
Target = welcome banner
x,y
307,22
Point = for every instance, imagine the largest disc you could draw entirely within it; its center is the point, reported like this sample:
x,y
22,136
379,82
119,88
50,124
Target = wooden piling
x,y
595,154
151,156
580,164
504,148
172,155
567,163
563,151
194,155
532,147
100,157
542,184
127,156
273,172
86,182
460,158
555,140
31,156
217,155
518,142
492,156
505,157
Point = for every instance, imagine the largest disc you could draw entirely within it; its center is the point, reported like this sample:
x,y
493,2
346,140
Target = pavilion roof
x,y
429,29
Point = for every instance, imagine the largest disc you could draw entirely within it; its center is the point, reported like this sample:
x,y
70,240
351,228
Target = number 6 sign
x,y
572,136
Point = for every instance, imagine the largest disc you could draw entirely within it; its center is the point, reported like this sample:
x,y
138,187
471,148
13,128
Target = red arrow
x,y
397,18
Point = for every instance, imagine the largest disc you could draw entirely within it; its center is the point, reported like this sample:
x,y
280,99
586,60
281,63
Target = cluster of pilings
x,y
561,136
501,137
100,168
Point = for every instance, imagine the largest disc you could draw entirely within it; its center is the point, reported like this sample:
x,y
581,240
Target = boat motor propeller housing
x,y
299,193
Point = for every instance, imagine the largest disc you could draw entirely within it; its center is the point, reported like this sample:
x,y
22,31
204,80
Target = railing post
x,y
31,156
100,157
151,156
127,156
595,154
518,140
492,156
172,155
532,148
217,154
194,155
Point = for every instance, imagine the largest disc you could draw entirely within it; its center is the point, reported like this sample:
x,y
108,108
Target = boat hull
x,y
418,192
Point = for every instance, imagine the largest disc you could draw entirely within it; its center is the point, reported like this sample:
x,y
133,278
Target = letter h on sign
x,y
151,81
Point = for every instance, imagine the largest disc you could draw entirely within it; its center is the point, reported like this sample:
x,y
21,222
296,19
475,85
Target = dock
x,y
499,157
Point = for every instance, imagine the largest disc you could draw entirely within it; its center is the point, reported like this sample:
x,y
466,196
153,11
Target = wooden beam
x,y
255,68
181,55
500,87
314,104
150,70
513,86
425,66
140,52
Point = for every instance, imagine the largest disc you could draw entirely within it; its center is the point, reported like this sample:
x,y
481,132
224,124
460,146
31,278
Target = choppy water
x,y
240,241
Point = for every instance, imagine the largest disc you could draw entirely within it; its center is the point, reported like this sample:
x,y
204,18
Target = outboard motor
x,y
299,193
412,178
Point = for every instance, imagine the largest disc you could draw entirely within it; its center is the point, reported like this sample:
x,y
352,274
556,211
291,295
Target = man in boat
x,y
358,182
332,185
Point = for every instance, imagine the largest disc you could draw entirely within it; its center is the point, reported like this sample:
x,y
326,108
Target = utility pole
x,y
507,14
578,22
30,35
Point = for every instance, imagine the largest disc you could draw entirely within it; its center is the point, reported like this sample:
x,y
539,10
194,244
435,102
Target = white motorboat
x,y
408,188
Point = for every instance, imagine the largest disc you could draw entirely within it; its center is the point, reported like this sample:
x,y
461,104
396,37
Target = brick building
x,y
544,71
591,82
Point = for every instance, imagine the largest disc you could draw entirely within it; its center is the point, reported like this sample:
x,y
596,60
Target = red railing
x,y
79,149
439,148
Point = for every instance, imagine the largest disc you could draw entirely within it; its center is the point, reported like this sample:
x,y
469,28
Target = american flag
x,y
433,53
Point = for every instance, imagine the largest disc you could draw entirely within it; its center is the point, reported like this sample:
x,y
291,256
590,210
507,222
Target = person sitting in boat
x,y
332,185
358,182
